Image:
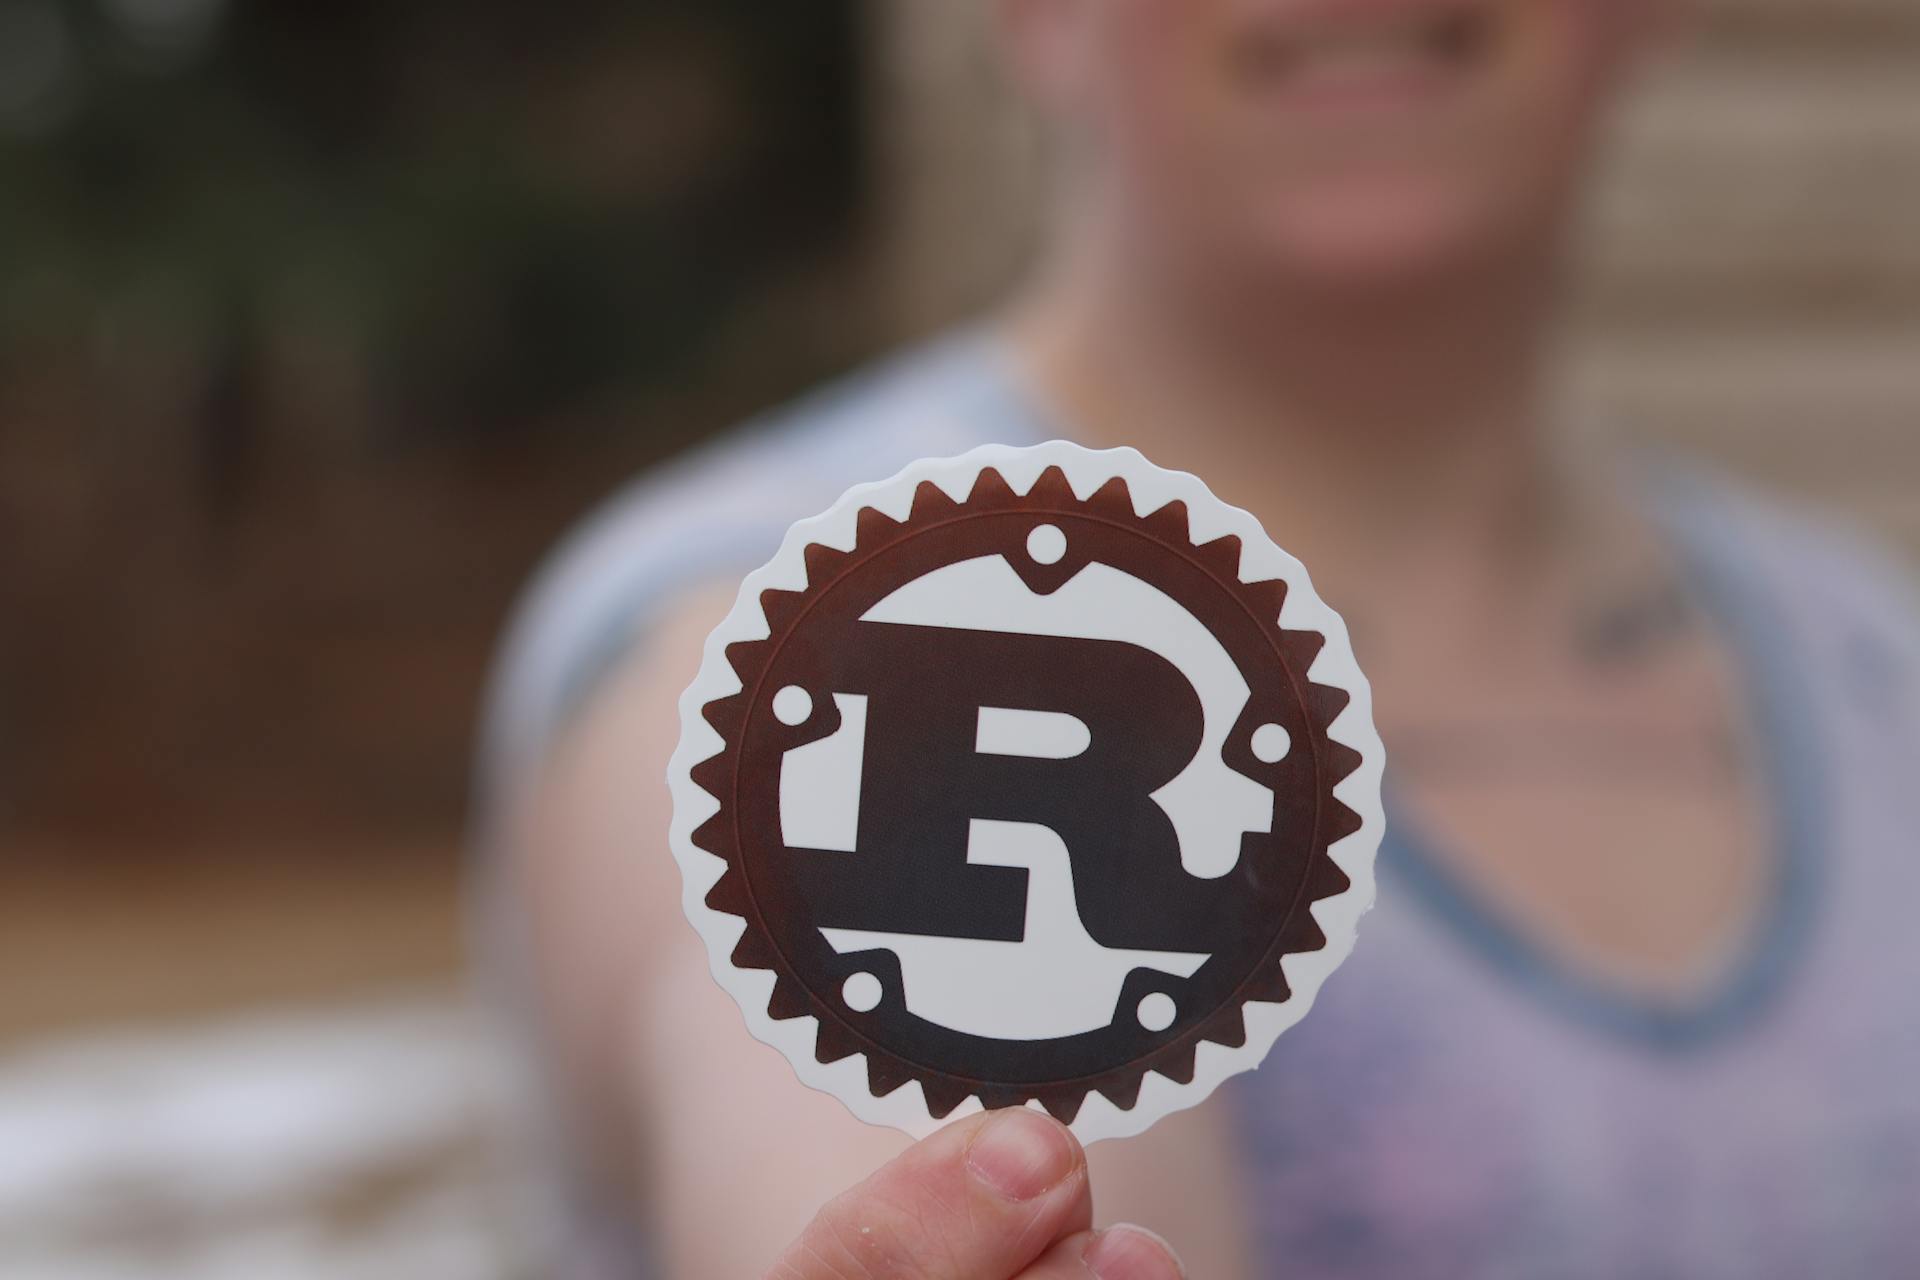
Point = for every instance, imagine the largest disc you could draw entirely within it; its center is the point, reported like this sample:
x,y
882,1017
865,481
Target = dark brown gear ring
x,y
1263,904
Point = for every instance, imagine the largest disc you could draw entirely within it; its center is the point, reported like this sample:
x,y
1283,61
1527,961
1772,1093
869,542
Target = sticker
x,y
1030,777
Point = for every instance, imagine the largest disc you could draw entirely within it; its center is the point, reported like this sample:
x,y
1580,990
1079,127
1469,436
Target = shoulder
x,y
713,514
1834,572
1848,603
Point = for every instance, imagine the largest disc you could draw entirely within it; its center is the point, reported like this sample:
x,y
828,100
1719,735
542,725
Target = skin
x,y
1335,300
995,1195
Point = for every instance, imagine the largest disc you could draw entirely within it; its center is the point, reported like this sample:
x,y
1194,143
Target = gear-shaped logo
x,y
1036,776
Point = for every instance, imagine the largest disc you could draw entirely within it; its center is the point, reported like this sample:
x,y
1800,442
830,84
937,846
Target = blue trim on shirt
x,y
1784,725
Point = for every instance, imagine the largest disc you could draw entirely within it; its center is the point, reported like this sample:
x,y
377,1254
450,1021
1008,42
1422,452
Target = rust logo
x,y
1025,793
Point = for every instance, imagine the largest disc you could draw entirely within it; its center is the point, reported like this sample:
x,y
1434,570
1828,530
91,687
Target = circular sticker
x,y
1031,777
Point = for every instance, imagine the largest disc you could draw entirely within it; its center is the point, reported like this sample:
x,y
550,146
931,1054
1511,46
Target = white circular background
x,y
1086,470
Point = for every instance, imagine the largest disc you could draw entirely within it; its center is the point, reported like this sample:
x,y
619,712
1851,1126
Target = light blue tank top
x,y
1457,1104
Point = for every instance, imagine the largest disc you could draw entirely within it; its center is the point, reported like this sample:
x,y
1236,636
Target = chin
x,y
1386,236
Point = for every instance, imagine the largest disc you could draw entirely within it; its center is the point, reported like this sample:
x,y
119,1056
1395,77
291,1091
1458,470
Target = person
x,y
1638,996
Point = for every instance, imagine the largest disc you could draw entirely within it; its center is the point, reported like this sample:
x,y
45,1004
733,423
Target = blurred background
x,y
319,323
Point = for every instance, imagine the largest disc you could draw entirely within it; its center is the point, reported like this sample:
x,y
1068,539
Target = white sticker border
x,y
1086,470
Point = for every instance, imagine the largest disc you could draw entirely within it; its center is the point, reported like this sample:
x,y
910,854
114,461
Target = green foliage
x,y
487,209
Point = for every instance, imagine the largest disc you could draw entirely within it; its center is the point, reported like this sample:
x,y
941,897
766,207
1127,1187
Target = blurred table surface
x,y
258,1063
89,937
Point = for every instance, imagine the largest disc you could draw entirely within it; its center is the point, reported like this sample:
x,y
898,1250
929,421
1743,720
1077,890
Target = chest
x,y
1617,819
1426,1122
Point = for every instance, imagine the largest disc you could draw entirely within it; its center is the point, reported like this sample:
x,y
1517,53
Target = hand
x,y
999,1196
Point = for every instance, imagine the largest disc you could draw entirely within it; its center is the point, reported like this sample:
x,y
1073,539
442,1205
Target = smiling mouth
x,y
1359,56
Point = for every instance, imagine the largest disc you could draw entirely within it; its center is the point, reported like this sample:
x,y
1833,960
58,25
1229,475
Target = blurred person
x,y
1638,997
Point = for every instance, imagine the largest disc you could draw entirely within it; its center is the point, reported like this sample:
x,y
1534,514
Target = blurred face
x,y
1332,139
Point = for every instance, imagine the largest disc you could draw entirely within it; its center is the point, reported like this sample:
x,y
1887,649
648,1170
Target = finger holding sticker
x,y
1033,777
1001,1197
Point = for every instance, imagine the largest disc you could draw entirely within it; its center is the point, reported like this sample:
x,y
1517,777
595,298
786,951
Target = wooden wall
x,y
1754,292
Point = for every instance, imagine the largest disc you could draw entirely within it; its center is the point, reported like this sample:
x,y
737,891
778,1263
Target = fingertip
x,y
1020,1154
1129,1252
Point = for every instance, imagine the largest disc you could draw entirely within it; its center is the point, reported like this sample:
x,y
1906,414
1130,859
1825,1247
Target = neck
x,y
1371,433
